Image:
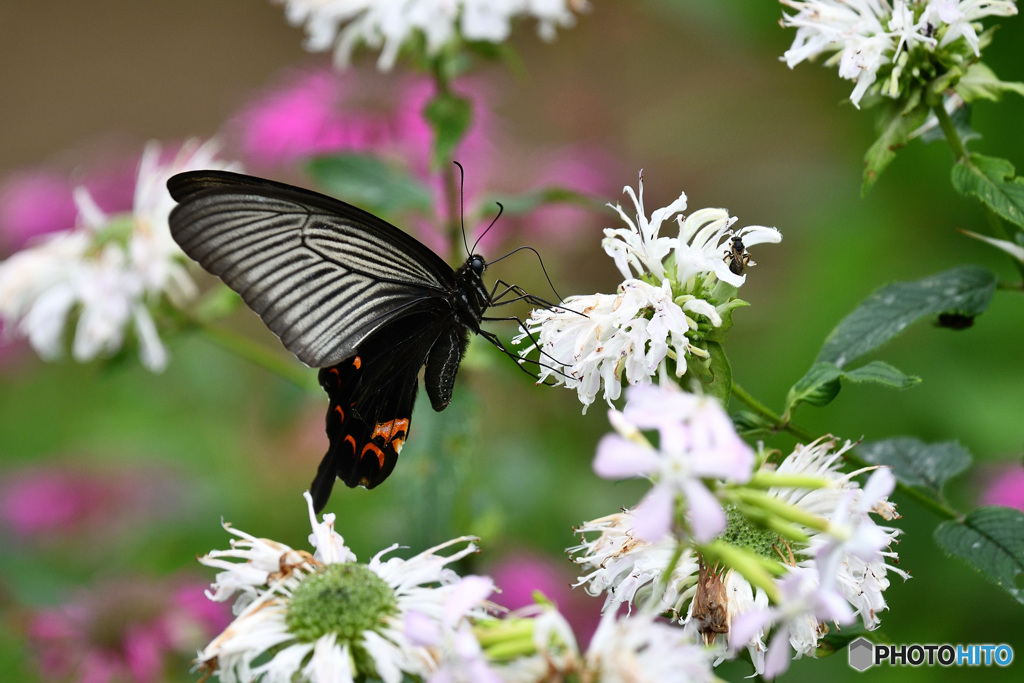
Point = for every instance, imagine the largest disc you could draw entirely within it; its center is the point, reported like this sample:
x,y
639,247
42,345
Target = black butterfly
x,y
346,292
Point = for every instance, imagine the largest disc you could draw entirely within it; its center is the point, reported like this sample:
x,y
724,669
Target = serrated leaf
x,y
991,540
994,182
980,82
720,374
369,183
966,290
895,129
916,463
879,372
449,116
821,384
818,387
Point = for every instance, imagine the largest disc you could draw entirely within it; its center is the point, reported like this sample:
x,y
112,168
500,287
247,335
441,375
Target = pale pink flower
x,y
697,442
1005,487
123,630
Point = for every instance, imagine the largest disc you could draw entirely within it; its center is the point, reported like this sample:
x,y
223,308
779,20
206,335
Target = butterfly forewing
x,y
323,275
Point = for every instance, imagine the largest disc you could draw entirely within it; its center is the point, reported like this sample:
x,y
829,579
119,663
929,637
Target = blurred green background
x,y
691,92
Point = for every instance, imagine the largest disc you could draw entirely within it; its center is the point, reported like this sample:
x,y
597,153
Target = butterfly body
x,y
346,292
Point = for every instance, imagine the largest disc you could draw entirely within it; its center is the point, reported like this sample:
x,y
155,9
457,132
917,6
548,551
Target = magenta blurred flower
x,y
56,503
124,630
588,171
314,113
39,201
1005,487
519,576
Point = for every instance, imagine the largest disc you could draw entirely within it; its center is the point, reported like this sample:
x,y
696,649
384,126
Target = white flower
x,y
598,340
638,648
324,617
852,553
873,37
845,547
697,441
389,24
960,17
626,567
807,603
108,268
640,247
855,29
705,246
463,658
660,313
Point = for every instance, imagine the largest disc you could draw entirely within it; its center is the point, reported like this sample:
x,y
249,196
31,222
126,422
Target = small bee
x,y
738,258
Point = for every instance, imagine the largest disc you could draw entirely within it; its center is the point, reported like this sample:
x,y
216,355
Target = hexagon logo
x,y
862,654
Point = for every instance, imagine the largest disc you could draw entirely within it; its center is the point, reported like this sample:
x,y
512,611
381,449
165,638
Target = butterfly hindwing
x,y
372,395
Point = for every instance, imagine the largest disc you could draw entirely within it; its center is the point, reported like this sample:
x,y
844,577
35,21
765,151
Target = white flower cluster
x,y
830,551
388,25
108,269
871,36
324,618
669,299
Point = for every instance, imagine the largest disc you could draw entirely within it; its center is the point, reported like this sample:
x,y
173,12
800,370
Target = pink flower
x,y
314,113
697,442
1005,487
587,171
124,629
59,503
36,202
520,576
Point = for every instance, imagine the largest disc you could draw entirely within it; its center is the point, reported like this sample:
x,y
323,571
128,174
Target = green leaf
x,y
748,423
818,387
916,463
718,381
965,290
524,202
991,540
896,126
368,182
994,182
880,372
821,384
980,82
961,118
449,116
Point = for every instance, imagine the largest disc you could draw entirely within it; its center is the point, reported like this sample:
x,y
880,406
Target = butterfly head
x,y
477,264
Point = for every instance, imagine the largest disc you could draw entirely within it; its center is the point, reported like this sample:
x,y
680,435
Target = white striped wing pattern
x,y
322,274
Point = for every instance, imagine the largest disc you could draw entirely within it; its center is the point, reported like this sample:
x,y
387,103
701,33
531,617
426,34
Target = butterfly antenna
x,y
501,210
462,206
542,267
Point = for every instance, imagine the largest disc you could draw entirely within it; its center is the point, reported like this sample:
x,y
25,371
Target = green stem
x,y
747,399
803,435
452,205
952,137
257,353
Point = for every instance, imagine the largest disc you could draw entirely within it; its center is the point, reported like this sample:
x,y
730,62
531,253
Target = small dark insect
x,y
955,321
348,293
738,257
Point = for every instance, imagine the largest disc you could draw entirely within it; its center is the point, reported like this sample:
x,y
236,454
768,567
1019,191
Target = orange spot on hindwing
x,y
375,450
